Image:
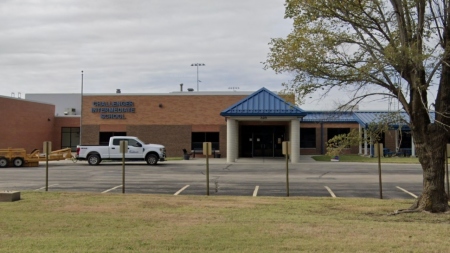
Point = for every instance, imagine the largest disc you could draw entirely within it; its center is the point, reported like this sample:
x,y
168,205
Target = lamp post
x,y
197,65
81,109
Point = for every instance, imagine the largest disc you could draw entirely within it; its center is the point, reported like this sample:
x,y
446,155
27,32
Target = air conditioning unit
x,y
70,111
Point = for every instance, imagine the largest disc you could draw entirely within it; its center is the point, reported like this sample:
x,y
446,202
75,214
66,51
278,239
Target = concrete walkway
x,y
258,160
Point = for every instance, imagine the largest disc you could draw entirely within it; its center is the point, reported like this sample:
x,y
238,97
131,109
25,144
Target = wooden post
x,y
379,170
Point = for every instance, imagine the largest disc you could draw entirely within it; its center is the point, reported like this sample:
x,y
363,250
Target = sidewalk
x,y
257,160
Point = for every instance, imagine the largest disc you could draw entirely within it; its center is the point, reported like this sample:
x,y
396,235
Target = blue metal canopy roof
x,y
329,116
395,119
263,103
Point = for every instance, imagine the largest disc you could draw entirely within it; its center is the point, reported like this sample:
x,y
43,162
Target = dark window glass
x,y
307,137
212,137
405,139
199,137
331,132
70,137
104,137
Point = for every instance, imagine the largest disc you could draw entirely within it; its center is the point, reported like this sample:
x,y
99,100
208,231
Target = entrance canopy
x,y
263,103
265,108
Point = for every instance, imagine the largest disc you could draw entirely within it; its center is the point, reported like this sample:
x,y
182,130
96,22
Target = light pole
x,y
81,109
197,65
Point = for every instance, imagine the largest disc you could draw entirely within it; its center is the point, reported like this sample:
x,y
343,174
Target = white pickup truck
x,y
137,150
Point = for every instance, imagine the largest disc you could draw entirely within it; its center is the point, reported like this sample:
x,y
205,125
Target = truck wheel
x,y
18,162
3,162
94,159
151,159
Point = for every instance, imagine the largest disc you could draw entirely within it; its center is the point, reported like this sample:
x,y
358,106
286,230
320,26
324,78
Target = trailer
x,y
18,157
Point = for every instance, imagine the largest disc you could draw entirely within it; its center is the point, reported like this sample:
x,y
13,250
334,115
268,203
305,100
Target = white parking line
x,y
255,192
412,194
112,189
330,191
44,187
182,189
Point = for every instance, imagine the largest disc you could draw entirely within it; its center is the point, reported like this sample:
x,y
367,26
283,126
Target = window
x,y
307,138
331,132
131,142
70,137
104,137
405,139
199,137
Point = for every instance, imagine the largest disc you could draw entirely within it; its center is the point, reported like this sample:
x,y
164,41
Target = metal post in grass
x,y
123,150
207,152
47,149
379,170
286,150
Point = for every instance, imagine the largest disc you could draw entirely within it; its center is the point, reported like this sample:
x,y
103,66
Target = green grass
x,y
364,159
85,222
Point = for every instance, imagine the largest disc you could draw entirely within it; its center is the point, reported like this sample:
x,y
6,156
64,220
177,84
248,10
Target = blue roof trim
x,y
329,116
365,118
263,103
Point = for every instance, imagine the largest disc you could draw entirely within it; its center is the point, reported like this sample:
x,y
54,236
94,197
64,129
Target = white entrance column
x,y
232,140
295,141
413,148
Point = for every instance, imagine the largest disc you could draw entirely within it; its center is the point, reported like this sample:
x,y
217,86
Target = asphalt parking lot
x,y
247,177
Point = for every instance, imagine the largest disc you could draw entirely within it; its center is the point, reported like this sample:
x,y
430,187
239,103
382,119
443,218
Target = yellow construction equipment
x,y
18,157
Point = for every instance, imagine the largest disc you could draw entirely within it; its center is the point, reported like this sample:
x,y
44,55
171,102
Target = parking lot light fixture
x,y
197,65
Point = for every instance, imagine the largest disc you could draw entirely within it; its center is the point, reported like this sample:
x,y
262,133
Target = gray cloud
x,y
138,46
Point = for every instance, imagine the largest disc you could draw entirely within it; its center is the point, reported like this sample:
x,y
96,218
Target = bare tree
x,y
394,48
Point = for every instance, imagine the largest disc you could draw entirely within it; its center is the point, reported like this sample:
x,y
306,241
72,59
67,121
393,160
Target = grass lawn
x,y
364,159
86,222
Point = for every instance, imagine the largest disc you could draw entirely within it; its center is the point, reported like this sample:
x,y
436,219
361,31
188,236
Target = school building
x,y
239,124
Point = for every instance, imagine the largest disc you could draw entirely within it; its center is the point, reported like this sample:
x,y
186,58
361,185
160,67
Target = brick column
x,y
295,141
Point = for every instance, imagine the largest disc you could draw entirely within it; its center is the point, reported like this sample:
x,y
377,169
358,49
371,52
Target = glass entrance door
x,y
262,145
261,141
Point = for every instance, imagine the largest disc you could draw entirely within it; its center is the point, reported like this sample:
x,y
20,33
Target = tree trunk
x,y
431,151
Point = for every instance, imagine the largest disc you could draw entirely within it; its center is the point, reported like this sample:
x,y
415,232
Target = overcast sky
x,y
139,46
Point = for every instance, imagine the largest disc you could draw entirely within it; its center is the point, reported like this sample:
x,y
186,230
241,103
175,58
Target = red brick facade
x,y
322,137
164,119
25,124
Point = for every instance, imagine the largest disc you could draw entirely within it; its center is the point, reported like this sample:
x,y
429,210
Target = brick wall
x,y
90,134
174,110
25,124
389,140
322,137
174,137
163,119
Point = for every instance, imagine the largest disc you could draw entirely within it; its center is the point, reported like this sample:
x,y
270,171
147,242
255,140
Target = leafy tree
x,y
394,48
337,144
